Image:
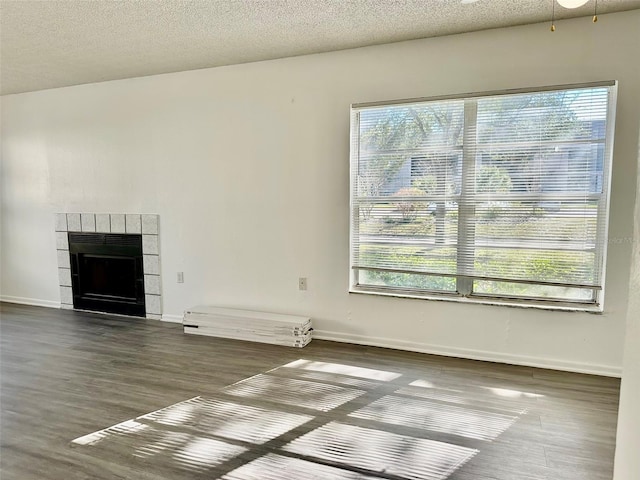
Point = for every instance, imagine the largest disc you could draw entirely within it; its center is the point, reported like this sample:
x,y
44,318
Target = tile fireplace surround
x,y
144,224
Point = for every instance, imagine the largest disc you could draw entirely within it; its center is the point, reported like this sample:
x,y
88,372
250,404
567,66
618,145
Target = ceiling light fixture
x,y
571,4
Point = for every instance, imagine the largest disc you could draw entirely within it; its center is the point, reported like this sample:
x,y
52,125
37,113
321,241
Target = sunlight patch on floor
x,y
184,450
342,369
326,377
229,420
301,393
382,452
437,417
278,467
200,434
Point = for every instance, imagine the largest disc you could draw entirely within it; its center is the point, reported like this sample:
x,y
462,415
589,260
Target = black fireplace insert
x,y
107,272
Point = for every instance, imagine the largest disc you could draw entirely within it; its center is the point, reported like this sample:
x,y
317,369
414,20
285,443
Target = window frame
x,y
463,292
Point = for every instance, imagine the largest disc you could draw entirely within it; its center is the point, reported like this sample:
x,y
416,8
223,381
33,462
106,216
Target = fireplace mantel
x,y
147,225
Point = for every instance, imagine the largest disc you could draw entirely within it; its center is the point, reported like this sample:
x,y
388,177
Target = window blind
x,y
500,195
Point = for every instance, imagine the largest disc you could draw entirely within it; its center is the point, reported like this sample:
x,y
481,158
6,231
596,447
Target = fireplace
x,y
107,272
110,272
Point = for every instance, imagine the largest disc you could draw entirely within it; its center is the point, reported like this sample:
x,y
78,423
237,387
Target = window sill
x,y
476,300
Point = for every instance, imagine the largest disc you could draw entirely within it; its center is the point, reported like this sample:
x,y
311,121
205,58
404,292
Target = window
x,y
498,197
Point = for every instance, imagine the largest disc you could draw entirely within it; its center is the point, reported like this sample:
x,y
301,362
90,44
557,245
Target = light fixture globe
x,y
572,3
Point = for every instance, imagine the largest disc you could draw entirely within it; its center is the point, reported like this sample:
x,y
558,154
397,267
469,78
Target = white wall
x,y
248,168
627,462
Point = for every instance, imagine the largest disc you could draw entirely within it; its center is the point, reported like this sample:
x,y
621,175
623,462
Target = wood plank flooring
x,y
177,406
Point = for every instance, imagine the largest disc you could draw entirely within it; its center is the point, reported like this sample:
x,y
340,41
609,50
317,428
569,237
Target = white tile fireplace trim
x,y
146,224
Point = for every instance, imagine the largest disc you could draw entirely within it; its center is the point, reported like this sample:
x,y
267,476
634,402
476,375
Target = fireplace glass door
x,y
107,272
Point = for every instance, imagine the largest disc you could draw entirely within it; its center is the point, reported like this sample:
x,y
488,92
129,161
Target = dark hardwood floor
x,y
89,396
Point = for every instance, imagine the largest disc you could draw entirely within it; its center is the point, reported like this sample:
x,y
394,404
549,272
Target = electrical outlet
x,y
302,283
180,277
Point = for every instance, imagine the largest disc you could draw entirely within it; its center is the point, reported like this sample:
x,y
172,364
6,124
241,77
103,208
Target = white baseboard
x,y
49,304
553,364
172,318
29,301
528,361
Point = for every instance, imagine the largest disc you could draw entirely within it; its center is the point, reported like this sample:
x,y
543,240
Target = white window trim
x,y
463,285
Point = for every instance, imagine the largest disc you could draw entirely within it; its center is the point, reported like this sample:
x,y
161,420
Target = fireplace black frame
x,y
107,272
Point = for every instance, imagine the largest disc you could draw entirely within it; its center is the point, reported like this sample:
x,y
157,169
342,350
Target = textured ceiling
x,y
47,44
